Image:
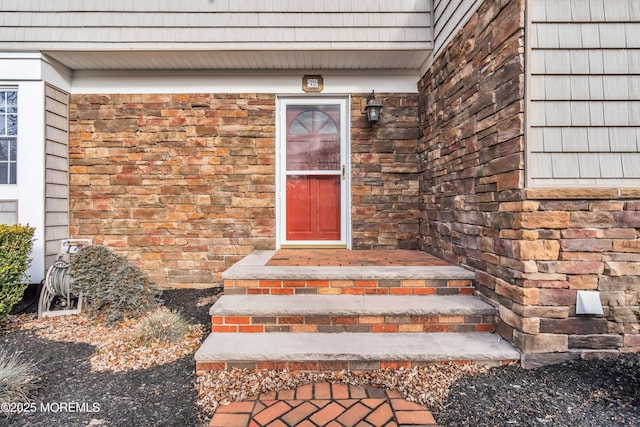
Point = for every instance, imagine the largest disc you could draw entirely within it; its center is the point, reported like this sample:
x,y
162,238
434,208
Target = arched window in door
x,y
313,141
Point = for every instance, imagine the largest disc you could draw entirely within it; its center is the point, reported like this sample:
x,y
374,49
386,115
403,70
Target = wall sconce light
x,y
373,108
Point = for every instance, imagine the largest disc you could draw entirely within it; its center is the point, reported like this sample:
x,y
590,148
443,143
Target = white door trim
x,y
345,189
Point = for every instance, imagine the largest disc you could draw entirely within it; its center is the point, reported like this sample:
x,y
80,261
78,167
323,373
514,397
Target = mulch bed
x,y
161,396
578,393
595,393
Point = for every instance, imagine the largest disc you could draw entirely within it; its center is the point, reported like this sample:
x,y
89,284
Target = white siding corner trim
x,y
29,188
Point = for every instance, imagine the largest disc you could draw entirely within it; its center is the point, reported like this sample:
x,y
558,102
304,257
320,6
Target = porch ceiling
x,y
243,60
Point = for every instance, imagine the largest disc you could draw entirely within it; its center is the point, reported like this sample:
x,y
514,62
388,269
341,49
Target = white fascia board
x,y
145,82
20,66
33,66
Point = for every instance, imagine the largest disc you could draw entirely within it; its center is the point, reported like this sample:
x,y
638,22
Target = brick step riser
x,y
351,365
331,324
350,287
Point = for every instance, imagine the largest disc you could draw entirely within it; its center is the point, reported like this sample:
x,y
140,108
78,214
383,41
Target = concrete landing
x,y
361,305
254,267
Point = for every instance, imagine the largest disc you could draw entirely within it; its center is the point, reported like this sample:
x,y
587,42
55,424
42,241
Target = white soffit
x,y
243,60
240,81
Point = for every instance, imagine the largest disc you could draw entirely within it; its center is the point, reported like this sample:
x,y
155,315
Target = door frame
x,y
345,184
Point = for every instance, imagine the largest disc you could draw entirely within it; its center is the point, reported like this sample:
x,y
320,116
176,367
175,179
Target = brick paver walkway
x,y
346,257
324,404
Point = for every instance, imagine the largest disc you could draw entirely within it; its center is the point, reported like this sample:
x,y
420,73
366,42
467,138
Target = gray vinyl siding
x,y
584,92
449,17
219,24
57,171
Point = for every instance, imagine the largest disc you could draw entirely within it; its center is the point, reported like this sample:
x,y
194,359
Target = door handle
x,y
344,172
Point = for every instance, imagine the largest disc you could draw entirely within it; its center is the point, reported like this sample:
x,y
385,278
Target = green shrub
x,y
112,285
17,378
161,326
16,243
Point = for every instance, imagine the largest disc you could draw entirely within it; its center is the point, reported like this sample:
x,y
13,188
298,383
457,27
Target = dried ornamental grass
x,y
17,378
162,325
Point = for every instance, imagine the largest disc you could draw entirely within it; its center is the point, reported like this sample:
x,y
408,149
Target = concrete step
x,y
351,313
353,351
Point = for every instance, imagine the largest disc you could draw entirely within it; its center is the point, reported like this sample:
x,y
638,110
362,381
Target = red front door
x,y
313,172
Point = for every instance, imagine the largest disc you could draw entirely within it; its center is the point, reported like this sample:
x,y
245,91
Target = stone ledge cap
x,y
581,193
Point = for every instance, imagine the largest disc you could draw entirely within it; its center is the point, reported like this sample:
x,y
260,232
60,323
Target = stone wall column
x,y
532,249
384,173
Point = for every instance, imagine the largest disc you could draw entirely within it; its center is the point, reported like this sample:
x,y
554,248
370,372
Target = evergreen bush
x,y
16,243
112,284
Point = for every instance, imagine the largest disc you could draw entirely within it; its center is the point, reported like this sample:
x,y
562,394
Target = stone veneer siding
x,y
184,184
572,240
531,249
384,174
472,151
